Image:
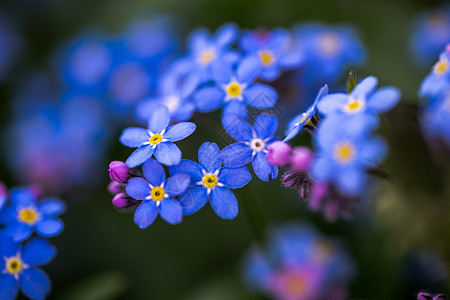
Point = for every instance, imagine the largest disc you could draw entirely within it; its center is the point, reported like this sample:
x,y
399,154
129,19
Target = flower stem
x,y
253,214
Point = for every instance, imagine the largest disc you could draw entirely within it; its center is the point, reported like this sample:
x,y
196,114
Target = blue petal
x,y
322,168
196,38
351,181
159,119
137,188
332,103
384,99
249,68
234,178
263,169
168,154
171,211
193,200
374,150
270,73
237,128
265,125
139,156
134,137
236,155
38,252
260,96
8,287
188,167
234,108
146,214
257,269
49,227
226,35
209,99
52,207
179,131
208,157
22,196
19,232
35,284
153,172
292,130
224,203
222,71
365,87
7,246
177,184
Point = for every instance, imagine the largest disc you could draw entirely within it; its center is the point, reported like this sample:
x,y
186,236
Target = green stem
x,y
253,213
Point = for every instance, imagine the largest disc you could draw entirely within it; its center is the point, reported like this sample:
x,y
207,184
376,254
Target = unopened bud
x,y
119,171
301,159
115,187
440,296
279,154
424,296
122,200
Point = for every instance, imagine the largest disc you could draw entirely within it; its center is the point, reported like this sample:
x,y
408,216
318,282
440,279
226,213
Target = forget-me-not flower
x,y
158,194
252,144
157,139
438,81
209,180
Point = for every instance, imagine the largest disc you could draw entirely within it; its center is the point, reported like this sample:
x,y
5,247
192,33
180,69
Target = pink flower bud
x,y
279,153
301,159
121,200
447,48
3,190
119,171
115,187
424,296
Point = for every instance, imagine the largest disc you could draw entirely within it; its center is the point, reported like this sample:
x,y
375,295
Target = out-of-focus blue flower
x,y
345,151
297,123
3,196
438,81
436,118
363,99
205,48
10,44
275,50
430,34
26,215
174,91
157,194
252,144
209,180
19,268
157,139
328,51
299,264
234,89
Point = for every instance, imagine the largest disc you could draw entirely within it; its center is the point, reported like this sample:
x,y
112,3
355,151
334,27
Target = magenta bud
x,y
115,187
119,171
279,154
121,200
440,297
447,48
424,296
3,190
301,159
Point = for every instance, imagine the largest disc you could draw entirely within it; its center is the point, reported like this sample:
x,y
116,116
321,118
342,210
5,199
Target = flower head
x,y
252,145
157,139
210,181
438,81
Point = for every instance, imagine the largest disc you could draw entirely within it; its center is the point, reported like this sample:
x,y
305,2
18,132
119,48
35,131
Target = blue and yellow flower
x,y
252,145
210,181
438,81
157,194
157,139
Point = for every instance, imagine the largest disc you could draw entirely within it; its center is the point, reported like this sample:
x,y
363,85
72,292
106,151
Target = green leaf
x,y
351,82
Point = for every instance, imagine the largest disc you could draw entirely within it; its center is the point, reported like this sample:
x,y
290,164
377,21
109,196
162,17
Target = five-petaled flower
x,y
157,139
209,180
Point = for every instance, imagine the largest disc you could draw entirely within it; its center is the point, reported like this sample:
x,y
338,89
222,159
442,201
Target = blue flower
x,y
363,99
234,88
345,151
436,118
26,215
18,268
431,32
158,194
205,48
328,50
252,144
438,81
157,139
297,123
209,180
275,50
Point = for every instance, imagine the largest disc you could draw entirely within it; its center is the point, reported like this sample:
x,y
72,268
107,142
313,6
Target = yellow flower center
x,y
158,193
156,139
28,215
207,56
234,89
210,181
322,251
344,152
14,265
354,106
266,57
329,43
441,67
304,117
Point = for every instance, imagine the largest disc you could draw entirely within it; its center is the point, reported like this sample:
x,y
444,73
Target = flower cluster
x,y
298,264
26,221
436,112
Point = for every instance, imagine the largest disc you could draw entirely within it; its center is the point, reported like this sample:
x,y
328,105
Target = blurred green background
x,y
104,255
